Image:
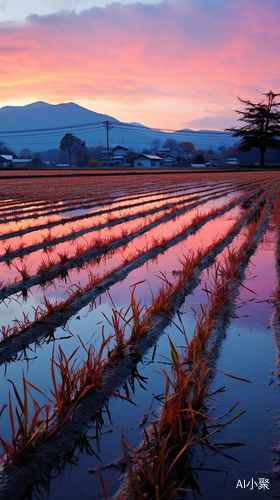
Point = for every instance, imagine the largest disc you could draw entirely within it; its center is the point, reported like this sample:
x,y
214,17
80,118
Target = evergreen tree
x,y
199,159
262,129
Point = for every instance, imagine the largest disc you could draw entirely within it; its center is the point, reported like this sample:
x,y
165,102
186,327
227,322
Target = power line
x,y
45,134
49,128
117,125
41,134
127,126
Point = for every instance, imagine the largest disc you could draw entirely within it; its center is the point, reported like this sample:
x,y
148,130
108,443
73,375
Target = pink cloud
x,y
194,50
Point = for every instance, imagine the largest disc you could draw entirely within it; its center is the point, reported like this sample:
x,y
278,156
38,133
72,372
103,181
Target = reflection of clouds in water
x,y
268,241
248,350
72,213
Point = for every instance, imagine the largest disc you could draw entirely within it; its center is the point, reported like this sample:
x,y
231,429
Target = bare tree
x,y
172,145
187,148
155,145
25,153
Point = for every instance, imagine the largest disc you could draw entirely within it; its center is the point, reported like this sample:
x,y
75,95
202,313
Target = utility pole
x,y
108,126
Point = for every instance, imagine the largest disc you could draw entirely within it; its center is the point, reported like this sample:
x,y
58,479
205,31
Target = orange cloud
x,y
201,52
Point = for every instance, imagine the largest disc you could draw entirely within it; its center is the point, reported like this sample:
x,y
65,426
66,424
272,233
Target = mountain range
x,y
40,126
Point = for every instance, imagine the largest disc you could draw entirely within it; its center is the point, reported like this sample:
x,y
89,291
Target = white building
x,y
147,161
8,161
232,161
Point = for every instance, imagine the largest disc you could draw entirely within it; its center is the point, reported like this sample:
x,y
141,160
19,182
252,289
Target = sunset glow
x,y
166,63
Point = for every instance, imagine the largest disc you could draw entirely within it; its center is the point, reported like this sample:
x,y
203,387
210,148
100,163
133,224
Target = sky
x,y
167,63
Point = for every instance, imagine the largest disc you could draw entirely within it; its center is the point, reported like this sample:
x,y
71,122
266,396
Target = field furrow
x,y
46,320
49,240
103,286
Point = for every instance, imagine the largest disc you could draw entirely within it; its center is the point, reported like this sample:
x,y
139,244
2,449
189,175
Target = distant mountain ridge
x,y
37,104
71,117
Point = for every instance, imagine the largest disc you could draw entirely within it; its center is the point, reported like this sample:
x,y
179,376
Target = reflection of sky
x,y
249,361
149,203
120,292
168,261
247,351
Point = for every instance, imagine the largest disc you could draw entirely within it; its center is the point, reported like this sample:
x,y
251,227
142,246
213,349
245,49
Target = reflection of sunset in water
x,y
226,217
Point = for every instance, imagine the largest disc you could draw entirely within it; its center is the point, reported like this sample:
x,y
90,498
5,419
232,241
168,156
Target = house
x,y
116,156
6,160
169,159
215,162
163,151
119,151
9,161
147,161
104,154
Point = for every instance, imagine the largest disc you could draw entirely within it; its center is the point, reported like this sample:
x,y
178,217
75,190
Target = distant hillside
x,y
30,121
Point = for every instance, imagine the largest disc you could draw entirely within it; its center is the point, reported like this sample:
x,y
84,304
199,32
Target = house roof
x,y
22,160
117,147
7,157
169,154
150,157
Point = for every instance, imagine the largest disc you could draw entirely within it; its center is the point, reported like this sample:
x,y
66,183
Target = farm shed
x,y
21,162
147,161
232,161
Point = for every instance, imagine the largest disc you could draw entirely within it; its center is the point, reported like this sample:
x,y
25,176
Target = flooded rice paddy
x,y
139,341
